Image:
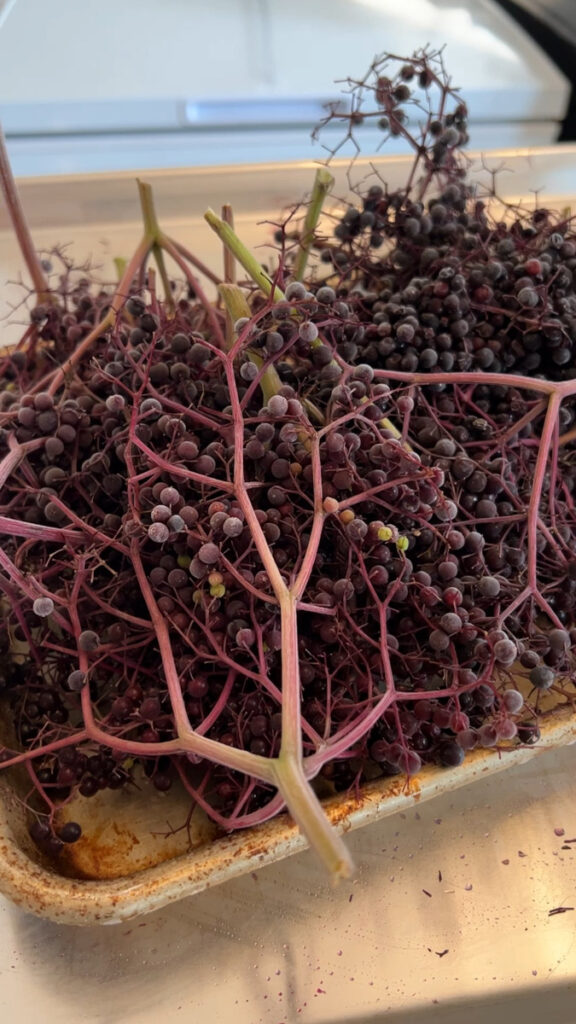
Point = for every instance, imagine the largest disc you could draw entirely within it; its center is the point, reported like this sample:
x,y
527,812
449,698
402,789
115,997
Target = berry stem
x,y
36,531
323,183
197,289
29,585
153,233
229,261
190,258
120,295
237,307
188,739
291,745
46,748
550,424
510,380
287,769
13,458
301,582
308,814
242,254
21,229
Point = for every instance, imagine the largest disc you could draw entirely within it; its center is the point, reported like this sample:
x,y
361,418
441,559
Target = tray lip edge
x,y
88,902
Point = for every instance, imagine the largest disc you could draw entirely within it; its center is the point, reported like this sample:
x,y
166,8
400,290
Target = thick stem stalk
x,y
36,531
236,307
242,254
308,814
154,234
229,261
538,483
509,380
291,744
323,182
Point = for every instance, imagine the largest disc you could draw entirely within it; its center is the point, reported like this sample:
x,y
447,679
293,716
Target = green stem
x,y
305,808
236,307
323,182
270,382
120,265
243,255
153,233
229,261
168,297
151,226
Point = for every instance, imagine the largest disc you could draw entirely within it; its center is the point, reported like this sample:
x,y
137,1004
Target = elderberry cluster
x,y
141,498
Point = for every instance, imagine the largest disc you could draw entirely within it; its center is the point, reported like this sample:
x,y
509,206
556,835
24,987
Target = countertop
x,y
447,920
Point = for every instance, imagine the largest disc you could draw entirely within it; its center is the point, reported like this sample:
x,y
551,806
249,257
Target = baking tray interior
x,y
133,858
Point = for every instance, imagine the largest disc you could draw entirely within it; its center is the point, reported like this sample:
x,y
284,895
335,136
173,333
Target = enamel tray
x,y
131,859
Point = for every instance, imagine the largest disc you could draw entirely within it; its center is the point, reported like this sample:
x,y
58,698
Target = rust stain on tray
x,y
123,837
101,855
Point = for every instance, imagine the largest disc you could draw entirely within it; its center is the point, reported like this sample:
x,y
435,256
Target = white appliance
x,y
106,86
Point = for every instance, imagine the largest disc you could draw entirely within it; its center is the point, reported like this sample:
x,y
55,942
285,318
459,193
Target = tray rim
x,y
63,900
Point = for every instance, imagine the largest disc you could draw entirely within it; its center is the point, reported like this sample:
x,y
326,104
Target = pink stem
x,y
35,531
29,585
194,283
19,223
59,376
239,760
48,748
181,249
181,471
14,457
309,560
550,424
511,380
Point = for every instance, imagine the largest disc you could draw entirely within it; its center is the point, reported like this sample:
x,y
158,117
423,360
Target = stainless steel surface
x,y
282,947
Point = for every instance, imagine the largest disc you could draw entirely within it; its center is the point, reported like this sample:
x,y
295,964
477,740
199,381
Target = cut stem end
x,y
306,810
